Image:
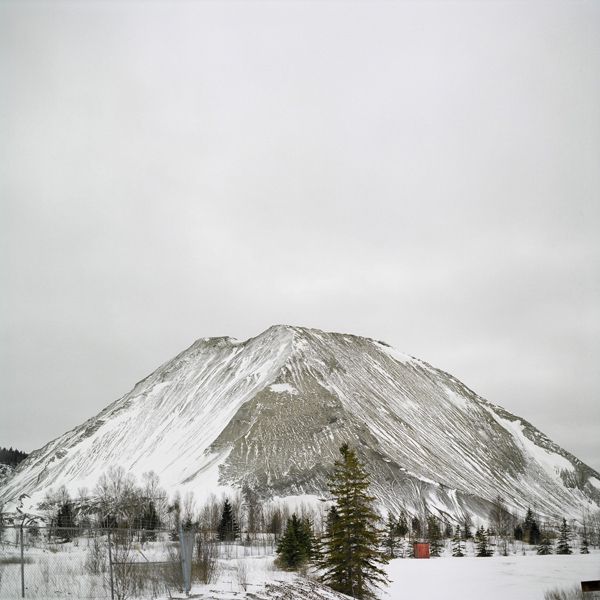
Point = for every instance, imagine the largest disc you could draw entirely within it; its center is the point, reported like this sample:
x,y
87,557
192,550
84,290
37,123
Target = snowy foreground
x,y
62,571
495,578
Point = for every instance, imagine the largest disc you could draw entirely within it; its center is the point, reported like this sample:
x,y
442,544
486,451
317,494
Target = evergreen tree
x,y
416,527
545,545
467,534
401,525
457,547
329,539
434,535
351,547
275,522
447,528
65,521
228,529
391,535
296,546
491,545
584,547
531,530
481,539
11,457
564,533
518,533
150,518
149,521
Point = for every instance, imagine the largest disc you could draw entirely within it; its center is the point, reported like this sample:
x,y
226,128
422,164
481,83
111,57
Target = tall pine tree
x,y
351,555
457,543
228,529
545,545
401,525
295,548
531,530
584,547
482,543
564,534
391,535
434,535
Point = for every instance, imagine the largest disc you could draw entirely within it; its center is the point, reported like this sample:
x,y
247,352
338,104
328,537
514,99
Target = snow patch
x,y
283,388
395,354
551,462
457,400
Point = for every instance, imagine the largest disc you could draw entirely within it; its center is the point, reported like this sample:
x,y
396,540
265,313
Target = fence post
x,y
22,565
110,568
186,545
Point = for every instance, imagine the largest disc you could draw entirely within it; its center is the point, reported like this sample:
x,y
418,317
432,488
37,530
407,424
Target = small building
x,y
421,550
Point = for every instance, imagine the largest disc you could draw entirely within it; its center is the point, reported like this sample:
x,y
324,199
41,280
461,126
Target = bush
x,y
573,593
205,565
96,557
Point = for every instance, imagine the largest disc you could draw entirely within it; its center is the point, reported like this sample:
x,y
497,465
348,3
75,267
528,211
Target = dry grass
x,y
573,593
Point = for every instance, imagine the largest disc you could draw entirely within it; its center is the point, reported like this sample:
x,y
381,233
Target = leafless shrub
x,y
95,560
241,573
204,564
122,564
171,569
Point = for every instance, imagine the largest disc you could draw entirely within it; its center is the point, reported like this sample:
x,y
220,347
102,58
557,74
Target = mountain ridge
x,y
272,410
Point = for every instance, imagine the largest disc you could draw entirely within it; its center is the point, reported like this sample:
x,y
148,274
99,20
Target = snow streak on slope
x,y
272,412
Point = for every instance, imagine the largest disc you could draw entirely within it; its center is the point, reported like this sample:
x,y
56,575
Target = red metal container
x,y
421,550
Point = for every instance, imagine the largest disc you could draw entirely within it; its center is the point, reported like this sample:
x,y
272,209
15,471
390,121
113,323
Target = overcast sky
x,y
423,173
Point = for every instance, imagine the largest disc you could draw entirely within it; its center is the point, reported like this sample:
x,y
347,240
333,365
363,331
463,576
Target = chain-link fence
x,y
116,564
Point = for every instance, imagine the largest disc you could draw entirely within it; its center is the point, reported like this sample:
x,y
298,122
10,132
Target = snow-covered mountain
x,y
272,412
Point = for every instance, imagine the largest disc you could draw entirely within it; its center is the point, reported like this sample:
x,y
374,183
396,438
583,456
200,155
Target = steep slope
x,y
271,412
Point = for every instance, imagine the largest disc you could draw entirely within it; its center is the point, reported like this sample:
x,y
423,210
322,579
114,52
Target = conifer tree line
x,y
118,500
502,534
11,457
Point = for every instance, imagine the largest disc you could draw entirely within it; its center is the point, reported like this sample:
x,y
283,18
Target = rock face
x,y
271,412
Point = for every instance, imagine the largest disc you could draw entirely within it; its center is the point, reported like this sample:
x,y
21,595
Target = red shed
x,y
421,550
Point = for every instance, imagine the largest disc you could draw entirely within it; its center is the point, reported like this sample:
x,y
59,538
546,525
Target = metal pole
x,y
185,565
110,566
22,566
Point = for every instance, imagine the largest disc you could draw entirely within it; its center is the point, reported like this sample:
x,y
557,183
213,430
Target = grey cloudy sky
x,y
423,173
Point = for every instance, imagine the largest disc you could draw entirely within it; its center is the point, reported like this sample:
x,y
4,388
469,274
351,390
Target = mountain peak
x,y
272,411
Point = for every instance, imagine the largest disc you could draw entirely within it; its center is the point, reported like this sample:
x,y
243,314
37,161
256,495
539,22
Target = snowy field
x,y
243,572
495,578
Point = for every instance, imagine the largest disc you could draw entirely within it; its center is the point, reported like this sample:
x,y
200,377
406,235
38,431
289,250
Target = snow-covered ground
x,y
61,574
495,578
